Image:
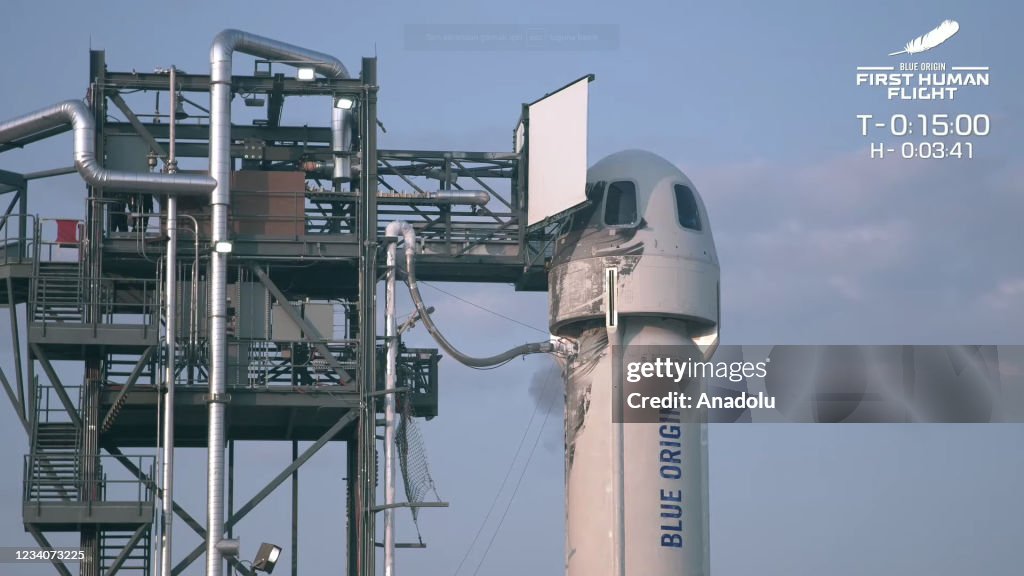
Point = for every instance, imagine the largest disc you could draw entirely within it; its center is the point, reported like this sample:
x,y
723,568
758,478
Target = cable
x,y
484,308
522,474
497,495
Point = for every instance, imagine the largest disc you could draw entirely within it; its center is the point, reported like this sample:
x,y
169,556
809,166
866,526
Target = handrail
x,y
20,239
40,486
48,307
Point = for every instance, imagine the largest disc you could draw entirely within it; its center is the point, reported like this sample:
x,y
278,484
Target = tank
x,y
636,493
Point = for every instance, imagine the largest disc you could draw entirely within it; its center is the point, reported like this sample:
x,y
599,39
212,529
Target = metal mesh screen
x,y
412,458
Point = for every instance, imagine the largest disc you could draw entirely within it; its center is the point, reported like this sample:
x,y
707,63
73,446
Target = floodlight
x,y
306,74
343,103
179,108
266,558
222,247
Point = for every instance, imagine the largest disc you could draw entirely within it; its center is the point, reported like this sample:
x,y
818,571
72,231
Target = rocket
x,y
636,267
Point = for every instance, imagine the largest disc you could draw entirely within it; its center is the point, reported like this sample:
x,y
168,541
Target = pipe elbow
x,y
224,44
404,230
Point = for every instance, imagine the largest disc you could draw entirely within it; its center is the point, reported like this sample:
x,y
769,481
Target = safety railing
x,y
71,299
43,485
59,239
259,363
50,408
17,236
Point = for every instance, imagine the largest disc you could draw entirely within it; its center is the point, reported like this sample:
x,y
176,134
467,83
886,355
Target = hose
x,y
406,231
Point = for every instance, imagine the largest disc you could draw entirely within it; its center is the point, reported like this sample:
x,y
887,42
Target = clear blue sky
x,y
756,102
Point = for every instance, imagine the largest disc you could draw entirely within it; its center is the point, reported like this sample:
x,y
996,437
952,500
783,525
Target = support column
x,y
295,511
366,498
89,454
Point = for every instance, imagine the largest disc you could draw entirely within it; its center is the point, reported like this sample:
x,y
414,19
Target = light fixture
x,y
222,247
343,103
179,108
266,558
306,74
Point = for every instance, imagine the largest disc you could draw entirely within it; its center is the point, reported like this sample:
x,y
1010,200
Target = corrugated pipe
x,y
84,131
224,46
406,231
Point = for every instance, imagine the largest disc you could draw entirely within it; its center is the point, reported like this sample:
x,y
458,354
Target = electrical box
x,y
319,314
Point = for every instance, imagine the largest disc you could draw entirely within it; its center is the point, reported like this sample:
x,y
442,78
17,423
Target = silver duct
x,y
341,141
394,230
471,197
224,46
171,326
84,131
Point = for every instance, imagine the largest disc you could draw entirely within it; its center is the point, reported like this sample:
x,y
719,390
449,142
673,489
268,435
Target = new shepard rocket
x,y
636,267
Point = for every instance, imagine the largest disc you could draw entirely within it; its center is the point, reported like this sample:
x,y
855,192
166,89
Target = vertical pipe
x,y
351,507
23,221
295,510
171,293
391,333
367,318
220,170
341,142
231,492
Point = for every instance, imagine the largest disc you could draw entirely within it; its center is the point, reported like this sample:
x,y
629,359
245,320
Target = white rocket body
x,y
666,294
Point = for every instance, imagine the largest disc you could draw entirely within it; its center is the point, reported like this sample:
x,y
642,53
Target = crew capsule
x,y
646,219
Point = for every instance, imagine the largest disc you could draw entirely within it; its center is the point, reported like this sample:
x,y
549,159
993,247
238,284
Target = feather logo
x,y
926,42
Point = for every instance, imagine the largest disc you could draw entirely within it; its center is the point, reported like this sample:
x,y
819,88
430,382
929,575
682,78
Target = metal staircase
x,y
119,552
57,293
55,465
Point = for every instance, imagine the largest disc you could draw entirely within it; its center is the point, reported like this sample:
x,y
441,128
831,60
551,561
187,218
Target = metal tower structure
x,y
301,360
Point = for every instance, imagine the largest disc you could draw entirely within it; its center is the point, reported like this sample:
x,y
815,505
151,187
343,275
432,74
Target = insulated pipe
x,y
397,228
341,141
84,131
221,53
171,326
393,231
472,197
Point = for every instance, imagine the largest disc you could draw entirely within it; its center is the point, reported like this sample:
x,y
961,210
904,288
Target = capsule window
x,y
686,208
620,204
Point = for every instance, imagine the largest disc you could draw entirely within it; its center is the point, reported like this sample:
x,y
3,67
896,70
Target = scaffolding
x,y
303,358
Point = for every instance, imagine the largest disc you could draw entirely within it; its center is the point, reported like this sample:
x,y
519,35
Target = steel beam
x,y
51,172
310,333
240,84
69,406
45,544
189,520
140,129
12,179
16,340
273,484
14,400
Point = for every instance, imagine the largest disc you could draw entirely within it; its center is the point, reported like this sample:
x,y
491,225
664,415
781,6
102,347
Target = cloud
x,y
848,248
1007,294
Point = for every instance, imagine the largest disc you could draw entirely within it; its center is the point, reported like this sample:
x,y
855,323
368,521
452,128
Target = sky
x,y
818,243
